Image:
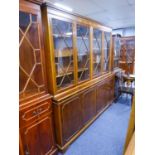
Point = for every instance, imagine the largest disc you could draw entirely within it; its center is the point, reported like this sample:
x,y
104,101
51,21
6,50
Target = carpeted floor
x,y
106,136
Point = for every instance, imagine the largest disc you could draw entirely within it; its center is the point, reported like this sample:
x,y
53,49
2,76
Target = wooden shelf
x,y
61,75
82,69
64,53
71,72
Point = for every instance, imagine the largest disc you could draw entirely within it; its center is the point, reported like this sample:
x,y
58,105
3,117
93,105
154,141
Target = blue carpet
x,y
106,136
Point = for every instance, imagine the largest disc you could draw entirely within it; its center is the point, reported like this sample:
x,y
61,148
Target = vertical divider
x,y
49,51
91,52
110,56
75,56
102,54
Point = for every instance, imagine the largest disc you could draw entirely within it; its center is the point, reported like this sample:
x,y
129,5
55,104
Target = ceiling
x,y
113,13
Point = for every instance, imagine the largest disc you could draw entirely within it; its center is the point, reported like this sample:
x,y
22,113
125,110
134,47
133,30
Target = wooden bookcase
x,y
127,55
78,53
35,111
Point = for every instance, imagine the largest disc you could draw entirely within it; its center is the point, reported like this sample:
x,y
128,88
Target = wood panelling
x,y
71,118
89,105
30,139
75,106
46,135
36,128
101,97
74,113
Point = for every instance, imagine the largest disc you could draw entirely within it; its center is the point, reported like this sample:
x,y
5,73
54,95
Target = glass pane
x,y
130,47
97,51
32,35
22,79
20,36
31,88
117,48
37,54
106,50
63,46
34,18
37,75
30,72
26,56
83,52
24,20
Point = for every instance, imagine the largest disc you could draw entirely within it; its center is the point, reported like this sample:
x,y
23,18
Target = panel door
x,y
37,139
30,140
46,135
71,118
111,89
101,97
89,105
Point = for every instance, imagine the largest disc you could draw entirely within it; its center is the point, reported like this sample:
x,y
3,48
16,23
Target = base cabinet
x,y
37,134
74,114
71,111
101,97
89,105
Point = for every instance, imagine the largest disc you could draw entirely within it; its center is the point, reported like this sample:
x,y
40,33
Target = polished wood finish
x,y
32,81
35,106
89,105
78,104
36,1
131,126
131,147
73,113
50,14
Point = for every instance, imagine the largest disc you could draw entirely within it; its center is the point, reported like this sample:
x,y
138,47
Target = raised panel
x,y
71,118
89,105
112,90
30,140
101,97
37,139
46,135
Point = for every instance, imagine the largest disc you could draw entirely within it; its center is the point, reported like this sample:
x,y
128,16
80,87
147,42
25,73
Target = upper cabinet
x,y
83,52
62,32
77,49
97,52
31,75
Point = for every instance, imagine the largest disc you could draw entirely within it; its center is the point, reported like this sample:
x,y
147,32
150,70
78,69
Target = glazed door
x,y
31,75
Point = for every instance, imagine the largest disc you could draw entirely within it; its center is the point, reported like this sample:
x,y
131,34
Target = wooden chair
x,y
126,85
